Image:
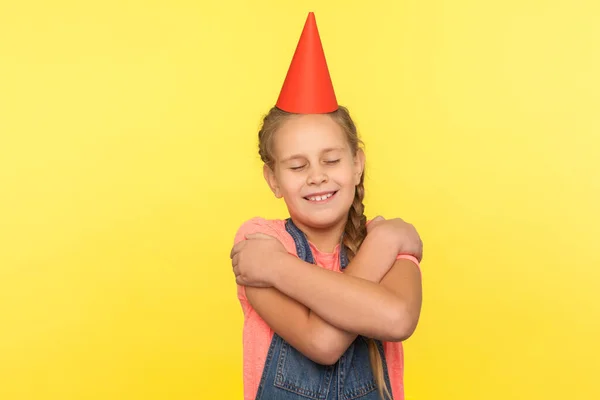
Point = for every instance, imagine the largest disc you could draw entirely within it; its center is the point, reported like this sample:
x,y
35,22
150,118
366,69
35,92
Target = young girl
x,y
327,297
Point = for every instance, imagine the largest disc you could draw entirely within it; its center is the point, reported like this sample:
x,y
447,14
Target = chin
x,y
321,220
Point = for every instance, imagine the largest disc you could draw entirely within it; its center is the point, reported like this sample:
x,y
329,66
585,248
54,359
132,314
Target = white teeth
x,y
320,198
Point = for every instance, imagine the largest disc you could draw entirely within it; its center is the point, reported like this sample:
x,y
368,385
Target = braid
x,y
356,226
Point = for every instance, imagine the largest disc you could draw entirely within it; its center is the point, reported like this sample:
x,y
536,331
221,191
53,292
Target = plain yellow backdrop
x,y
128,160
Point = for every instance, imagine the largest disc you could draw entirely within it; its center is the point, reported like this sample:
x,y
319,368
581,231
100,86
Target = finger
x,y
374,222
236,249
376,219
235,260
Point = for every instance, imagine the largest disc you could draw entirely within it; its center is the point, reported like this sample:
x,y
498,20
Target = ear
x,y
271,180
359,165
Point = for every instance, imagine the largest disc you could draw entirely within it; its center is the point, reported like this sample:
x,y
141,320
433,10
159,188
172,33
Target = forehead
x,y
308,134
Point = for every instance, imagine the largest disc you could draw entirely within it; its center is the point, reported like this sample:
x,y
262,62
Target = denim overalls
x,y
289,375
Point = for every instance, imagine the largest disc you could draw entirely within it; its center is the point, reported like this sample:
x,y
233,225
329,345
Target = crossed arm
x,y
320,312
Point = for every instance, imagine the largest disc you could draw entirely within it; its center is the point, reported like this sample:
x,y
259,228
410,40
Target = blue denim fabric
x,y
289,375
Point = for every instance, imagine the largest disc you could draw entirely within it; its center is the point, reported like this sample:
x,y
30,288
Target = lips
x,y
320,197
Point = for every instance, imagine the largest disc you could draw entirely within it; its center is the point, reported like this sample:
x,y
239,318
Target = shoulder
x,y
272,227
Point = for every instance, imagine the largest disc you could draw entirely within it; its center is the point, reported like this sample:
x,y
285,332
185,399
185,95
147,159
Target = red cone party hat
x,y
307,88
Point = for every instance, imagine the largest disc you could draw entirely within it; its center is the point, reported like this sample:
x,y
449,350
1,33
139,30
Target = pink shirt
x,y
257,335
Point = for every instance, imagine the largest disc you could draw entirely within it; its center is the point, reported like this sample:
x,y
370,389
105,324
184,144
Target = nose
x,y
316,176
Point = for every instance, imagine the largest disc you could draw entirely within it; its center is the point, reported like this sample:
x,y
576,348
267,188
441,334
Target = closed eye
x,y
332,161
297,168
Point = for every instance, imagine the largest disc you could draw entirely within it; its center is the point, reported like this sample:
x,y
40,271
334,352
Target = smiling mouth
x,y
321,198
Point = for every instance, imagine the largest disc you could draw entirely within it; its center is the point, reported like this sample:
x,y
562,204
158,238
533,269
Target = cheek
x,y
345,177
346,180
291,183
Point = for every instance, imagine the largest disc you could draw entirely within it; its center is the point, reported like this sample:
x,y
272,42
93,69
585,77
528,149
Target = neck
x,y
325,238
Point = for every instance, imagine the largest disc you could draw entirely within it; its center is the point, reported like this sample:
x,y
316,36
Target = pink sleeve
x,y
408,257
254,225
411,258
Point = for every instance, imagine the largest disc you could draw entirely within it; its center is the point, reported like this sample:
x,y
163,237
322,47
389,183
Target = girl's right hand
x,y
399,233
255,261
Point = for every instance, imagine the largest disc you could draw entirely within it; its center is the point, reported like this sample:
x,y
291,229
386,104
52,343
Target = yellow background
x,y
128,159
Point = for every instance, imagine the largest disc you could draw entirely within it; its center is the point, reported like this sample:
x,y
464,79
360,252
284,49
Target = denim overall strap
x,y
289,375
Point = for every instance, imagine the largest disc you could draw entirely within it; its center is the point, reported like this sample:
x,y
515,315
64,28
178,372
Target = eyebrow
x,y
296,156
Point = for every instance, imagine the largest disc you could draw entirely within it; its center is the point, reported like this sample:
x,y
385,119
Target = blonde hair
x,y
356,226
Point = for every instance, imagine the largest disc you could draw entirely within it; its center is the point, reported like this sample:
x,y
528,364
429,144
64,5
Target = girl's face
x,y
315,170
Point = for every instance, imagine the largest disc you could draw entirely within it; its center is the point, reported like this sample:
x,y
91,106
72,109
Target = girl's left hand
x,y
401,233
255,260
